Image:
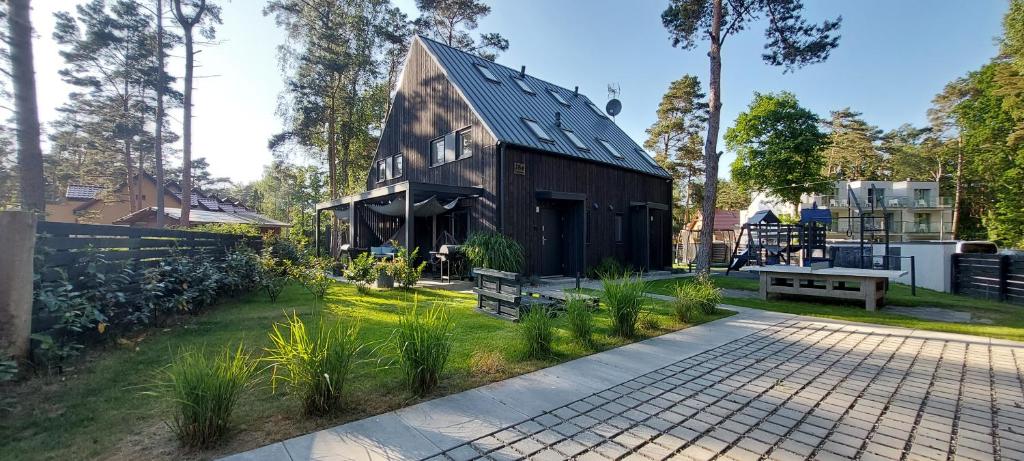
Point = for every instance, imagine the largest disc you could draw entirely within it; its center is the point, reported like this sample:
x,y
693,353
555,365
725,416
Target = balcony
x,y
926,228
890,202
876,224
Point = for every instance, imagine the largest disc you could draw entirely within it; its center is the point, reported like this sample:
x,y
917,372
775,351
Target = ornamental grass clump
x,y
580,320
696,298
536,330
203,390
624,298
314,366
424,343
493,250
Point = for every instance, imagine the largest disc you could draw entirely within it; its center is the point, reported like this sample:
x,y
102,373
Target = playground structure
x,y
770,242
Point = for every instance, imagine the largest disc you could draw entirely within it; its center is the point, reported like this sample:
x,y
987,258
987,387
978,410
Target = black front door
x,y
551,234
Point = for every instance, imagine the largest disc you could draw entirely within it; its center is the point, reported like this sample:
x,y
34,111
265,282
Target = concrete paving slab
x,y
272,452
449,421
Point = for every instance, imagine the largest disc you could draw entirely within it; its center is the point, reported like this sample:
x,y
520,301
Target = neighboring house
x,y
912,210
95,205
470,145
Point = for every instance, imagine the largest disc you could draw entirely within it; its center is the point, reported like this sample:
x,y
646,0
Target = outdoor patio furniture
x,y
383,252
868,285
500,294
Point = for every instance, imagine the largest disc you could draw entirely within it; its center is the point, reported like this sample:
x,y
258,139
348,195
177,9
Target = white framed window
x,y
398,167
464,143
437,151
537,130
382,171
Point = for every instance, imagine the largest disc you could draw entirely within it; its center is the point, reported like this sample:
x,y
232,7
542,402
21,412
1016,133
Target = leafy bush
x,y
536,330
314,275
609,267
227,228
424,343
203,391
406,275
314,366
283,249
696,297
273,275
580,320
624,298
493,250
362,271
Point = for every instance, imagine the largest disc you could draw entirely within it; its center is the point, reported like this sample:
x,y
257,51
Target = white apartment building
x,y
911,210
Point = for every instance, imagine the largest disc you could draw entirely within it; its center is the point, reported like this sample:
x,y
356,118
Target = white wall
x,y
932,261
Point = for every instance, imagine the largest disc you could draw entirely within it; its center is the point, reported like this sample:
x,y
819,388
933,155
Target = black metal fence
x,y
999,277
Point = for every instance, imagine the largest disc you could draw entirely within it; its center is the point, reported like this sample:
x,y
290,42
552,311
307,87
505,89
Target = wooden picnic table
x,y
868,285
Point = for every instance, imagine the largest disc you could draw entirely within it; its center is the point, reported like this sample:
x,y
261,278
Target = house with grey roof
x,y
470,145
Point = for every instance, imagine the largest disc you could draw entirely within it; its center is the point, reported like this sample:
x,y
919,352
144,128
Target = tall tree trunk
x,y
30,153
186,131
711,156
129,173
958,188
158,152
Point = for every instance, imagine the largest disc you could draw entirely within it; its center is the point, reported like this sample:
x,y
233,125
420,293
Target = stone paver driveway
x,y
755,386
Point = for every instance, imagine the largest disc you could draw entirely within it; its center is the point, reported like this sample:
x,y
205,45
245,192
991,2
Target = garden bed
x,y
96,408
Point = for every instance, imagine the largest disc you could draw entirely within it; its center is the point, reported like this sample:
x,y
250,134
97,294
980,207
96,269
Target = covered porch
x,y
412,214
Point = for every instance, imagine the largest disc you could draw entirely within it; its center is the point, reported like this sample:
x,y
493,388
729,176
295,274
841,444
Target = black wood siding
x,y
427,106
611,189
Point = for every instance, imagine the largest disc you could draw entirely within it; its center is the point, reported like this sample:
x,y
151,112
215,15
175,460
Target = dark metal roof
x,y
502,106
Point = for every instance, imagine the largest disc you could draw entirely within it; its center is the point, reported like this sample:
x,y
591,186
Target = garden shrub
x,y
227,228
493,250
273,275
362,271
695,298
580,320
315,366
536,330
315,276
405,273
423,343
624,298
283,249
203,389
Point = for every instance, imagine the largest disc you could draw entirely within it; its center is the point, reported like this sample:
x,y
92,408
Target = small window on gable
x,y
537,130
558,97
610,148
647,157
437,151
382,171
575,139
486,72
595,109
523,85
399,165
464,143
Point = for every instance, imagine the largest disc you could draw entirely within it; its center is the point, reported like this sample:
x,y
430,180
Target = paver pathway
x,y
757,385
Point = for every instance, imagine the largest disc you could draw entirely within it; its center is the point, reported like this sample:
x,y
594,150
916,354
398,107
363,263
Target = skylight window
x,y
595,109
537,130
523,86
610,148
648,158
486,72
575,139
558,97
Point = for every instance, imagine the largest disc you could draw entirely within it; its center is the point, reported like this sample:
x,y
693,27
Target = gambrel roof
x,y
505,106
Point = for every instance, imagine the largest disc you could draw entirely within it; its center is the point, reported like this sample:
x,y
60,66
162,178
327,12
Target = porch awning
x,y
429,207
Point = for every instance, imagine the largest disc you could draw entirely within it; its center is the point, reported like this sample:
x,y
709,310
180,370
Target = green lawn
x,y
1007,319
95,409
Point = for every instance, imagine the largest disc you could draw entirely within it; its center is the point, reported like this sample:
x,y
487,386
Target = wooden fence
x,y
62,245
999,277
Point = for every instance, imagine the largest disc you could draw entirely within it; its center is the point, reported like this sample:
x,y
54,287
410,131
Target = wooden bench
x,y
501,294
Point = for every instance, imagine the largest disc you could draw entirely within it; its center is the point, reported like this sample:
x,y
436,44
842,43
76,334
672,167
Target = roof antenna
x,y
522,72
558,119
576,92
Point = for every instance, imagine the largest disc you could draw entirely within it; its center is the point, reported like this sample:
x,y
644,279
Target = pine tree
x,y
851,153
450,21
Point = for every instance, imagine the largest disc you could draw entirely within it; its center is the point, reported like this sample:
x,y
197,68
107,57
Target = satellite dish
x,y
613,107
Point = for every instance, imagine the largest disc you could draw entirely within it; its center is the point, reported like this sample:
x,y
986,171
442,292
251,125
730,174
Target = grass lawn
x,y
95,410
1007,320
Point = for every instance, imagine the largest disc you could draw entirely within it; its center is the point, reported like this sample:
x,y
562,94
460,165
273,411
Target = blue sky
x,y
894,56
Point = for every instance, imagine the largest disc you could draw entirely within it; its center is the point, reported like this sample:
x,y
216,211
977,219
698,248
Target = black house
x,y
470,145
